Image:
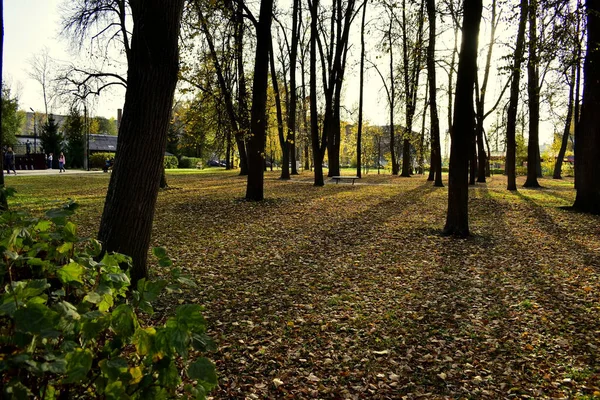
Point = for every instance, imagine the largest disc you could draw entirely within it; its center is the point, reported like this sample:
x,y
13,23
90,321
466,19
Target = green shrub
x,y
97,160
170,162
191,162
69,325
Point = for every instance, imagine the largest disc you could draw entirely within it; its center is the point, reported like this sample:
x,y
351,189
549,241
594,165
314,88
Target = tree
x,y
360,95
256,141
412,58
457,219
51,139
436,150
511,118
126,223
42,68
587,142
533,91
75,136
570,76
12,119
3,201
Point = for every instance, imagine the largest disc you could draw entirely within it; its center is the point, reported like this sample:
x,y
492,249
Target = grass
x,y
351,292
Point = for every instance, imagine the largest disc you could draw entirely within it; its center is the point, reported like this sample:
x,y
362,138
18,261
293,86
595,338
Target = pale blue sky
x,y
29,26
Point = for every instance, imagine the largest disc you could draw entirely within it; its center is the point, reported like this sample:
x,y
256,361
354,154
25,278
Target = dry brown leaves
x,y
350,291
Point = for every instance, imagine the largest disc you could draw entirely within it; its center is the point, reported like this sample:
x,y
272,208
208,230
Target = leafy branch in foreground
x,y
69,325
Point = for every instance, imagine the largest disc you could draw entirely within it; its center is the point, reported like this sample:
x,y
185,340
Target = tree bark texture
x,y
360,95
283,139
457,219
318,146
568,120
587,147
533,91
436,151
511,119
126,222
258,121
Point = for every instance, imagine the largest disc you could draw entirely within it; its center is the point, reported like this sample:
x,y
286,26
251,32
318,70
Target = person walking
x,y
61,163
50,161
9,160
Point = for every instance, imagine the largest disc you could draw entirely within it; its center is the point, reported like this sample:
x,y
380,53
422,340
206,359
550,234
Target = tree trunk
x,y
511,119
565,138
587,147
533,90
258,121
245,125
392,98
291,137
283,140
360,95
317,148
3,200
457,220
126,222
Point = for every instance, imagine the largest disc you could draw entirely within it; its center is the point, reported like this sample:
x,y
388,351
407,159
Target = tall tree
x,y
533,91
436,151
3,201
42,69
238,121
573,37
126,223
511,118
360,89
256,141
412,49
319,144
51,139
74,135
457,219
587,143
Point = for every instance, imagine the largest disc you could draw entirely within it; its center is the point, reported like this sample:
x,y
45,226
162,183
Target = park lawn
x,y
351,292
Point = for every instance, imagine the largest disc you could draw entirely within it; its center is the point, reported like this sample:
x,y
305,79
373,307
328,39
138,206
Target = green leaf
x,y
71,272
116,391
180,341
187,281
68,310
70,231
65,248
43,225
79,363
106,303
152,289
203,370
159,252
165,262
168,374
35,318
124,321
143,340
203,342
93,297
112,369
189,317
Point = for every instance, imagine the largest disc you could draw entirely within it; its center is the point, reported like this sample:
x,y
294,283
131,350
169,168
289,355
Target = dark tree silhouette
x,y
457,219
436,151
258,121
587,143
511,119
126,223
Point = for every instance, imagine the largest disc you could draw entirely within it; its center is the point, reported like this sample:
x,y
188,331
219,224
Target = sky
x,y
29,26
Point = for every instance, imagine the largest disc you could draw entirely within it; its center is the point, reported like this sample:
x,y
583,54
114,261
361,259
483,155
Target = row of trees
x,y
319,53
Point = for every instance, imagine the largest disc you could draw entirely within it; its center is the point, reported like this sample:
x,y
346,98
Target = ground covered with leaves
x,y
350,291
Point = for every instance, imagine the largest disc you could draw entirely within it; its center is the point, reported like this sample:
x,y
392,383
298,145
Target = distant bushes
x,y
170,162
191,162
97,160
